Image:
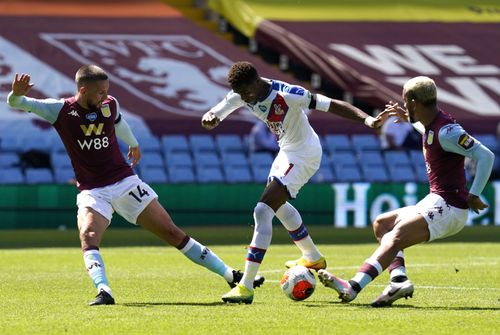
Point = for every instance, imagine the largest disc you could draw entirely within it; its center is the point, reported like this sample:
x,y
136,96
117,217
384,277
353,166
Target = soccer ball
x,y
298,283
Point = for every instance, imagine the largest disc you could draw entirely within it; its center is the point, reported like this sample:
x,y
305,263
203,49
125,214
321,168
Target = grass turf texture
x,y
45,288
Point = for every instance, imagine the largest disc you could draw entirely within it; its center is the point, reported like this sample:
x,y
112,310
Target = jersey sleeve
x,y
231,102
299,97
455,139
47,109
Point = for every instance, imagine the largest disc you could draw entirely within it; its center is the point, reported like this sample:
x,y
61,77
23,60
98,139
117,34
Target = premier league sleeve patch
x,y
466,141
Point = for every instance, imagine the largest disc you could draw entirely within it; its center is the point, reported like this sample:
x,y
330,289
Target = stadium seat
x,y
363,142
325,160
417,158
56,145
174,143
371,158
39,176
323,175
206,158
37,142
229,143
179,159
421,174
234,159
209,174
260,173
149,144
63,175
375,173
151,159
60,160
8,159
398,157
180,174
401,173
153,175
261,159
488,140
337,142
237,174
343,158
347,173
11,144
202,143
12,176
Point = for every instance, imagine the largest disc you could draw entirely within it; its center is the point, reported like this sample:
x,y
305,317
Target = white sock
x,y
95,268
291,220
263,217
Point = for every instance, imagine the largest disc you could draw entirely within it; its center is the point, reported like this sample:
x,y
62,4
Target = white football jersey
x,y
284,110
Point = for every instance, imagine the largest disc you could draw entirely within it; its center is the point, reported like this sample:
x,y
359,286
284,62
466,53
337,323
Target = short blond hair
x,y
423,89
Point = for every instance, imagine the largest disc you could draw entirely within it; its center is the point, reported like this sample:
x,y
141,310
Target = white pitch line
x,y
427,287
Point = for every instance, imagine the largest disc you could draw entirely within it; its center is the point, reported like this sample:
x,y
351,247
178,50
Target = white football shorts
x,y
128,197
443,220
293,169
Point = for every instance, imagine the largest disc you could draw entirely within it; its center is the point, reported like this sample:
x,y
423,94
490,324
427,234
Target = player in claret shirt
x,y
442,213
283,107
88,124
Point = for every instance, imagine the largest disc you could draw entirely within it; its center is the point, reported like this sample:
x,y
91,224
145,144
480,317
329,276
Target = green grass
x,y
45,289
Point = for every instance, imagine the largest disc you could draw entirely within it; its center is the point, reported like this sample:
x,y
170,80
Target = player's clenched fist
x,y
209,120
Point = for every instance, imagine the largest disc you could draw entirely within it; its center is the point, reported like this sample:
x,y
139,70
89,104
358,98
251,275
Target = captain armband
x,y
322,103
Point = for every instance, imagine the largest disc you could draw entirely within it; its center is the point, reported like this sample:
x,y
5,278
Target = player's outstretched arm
x,y
209,120
351,112
48,109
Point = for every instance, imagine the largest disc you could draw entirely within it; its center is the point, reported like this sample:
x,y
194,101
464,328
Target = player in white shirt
x,y
284,108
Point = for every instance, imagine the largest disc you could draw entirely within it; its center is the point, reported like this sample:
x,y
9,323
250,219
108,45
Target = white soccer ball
x,y
298,283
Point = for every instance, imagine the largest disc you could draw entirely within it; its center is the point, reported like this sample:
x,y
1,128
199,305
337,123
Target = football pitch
x,y
45,289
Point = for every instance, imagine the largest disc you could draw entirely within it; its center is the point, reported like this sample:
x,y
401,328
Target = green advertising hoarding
x,y
340,204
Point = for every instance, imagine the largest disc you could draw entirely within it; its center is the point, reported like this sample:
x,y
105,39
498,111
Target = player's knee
x,y
380,227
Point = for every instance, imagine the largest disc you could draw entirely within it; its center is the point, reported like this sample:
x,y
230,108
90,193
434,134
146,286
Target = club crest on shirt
x,y
466,141
91,117
430,137
106,112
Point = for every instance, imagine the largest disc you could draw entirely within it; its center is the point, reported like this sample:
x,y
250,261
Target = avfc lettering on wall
x,y
96,143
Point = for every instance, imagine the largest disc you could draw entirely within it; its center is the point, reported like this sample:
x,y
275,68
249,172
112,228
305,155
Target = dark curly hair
x,y
241,73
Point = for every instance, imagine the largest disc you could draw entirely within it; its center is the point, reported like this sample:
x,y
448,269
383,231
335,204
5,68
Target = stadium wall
x,y
340,204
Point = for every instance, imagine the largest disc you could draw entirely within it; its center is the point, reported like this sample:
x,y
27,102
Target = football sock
x,y
397,268
95,268
367,272
201,255
291,220
263,217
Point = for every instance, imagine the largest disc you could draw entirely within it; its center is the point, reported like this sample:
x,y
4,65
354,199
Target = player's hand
x,y
380,119
209,121
134,155
393,109
21,84
475,203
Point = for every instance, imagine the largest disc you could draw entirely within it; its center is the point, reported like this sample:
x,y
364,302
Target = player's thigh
x,y
409,230
294,169
131,196
442,219
385,222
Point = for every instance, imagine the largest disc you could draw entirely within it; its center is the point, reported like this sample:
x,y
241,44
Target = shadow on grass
x,y
153,304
